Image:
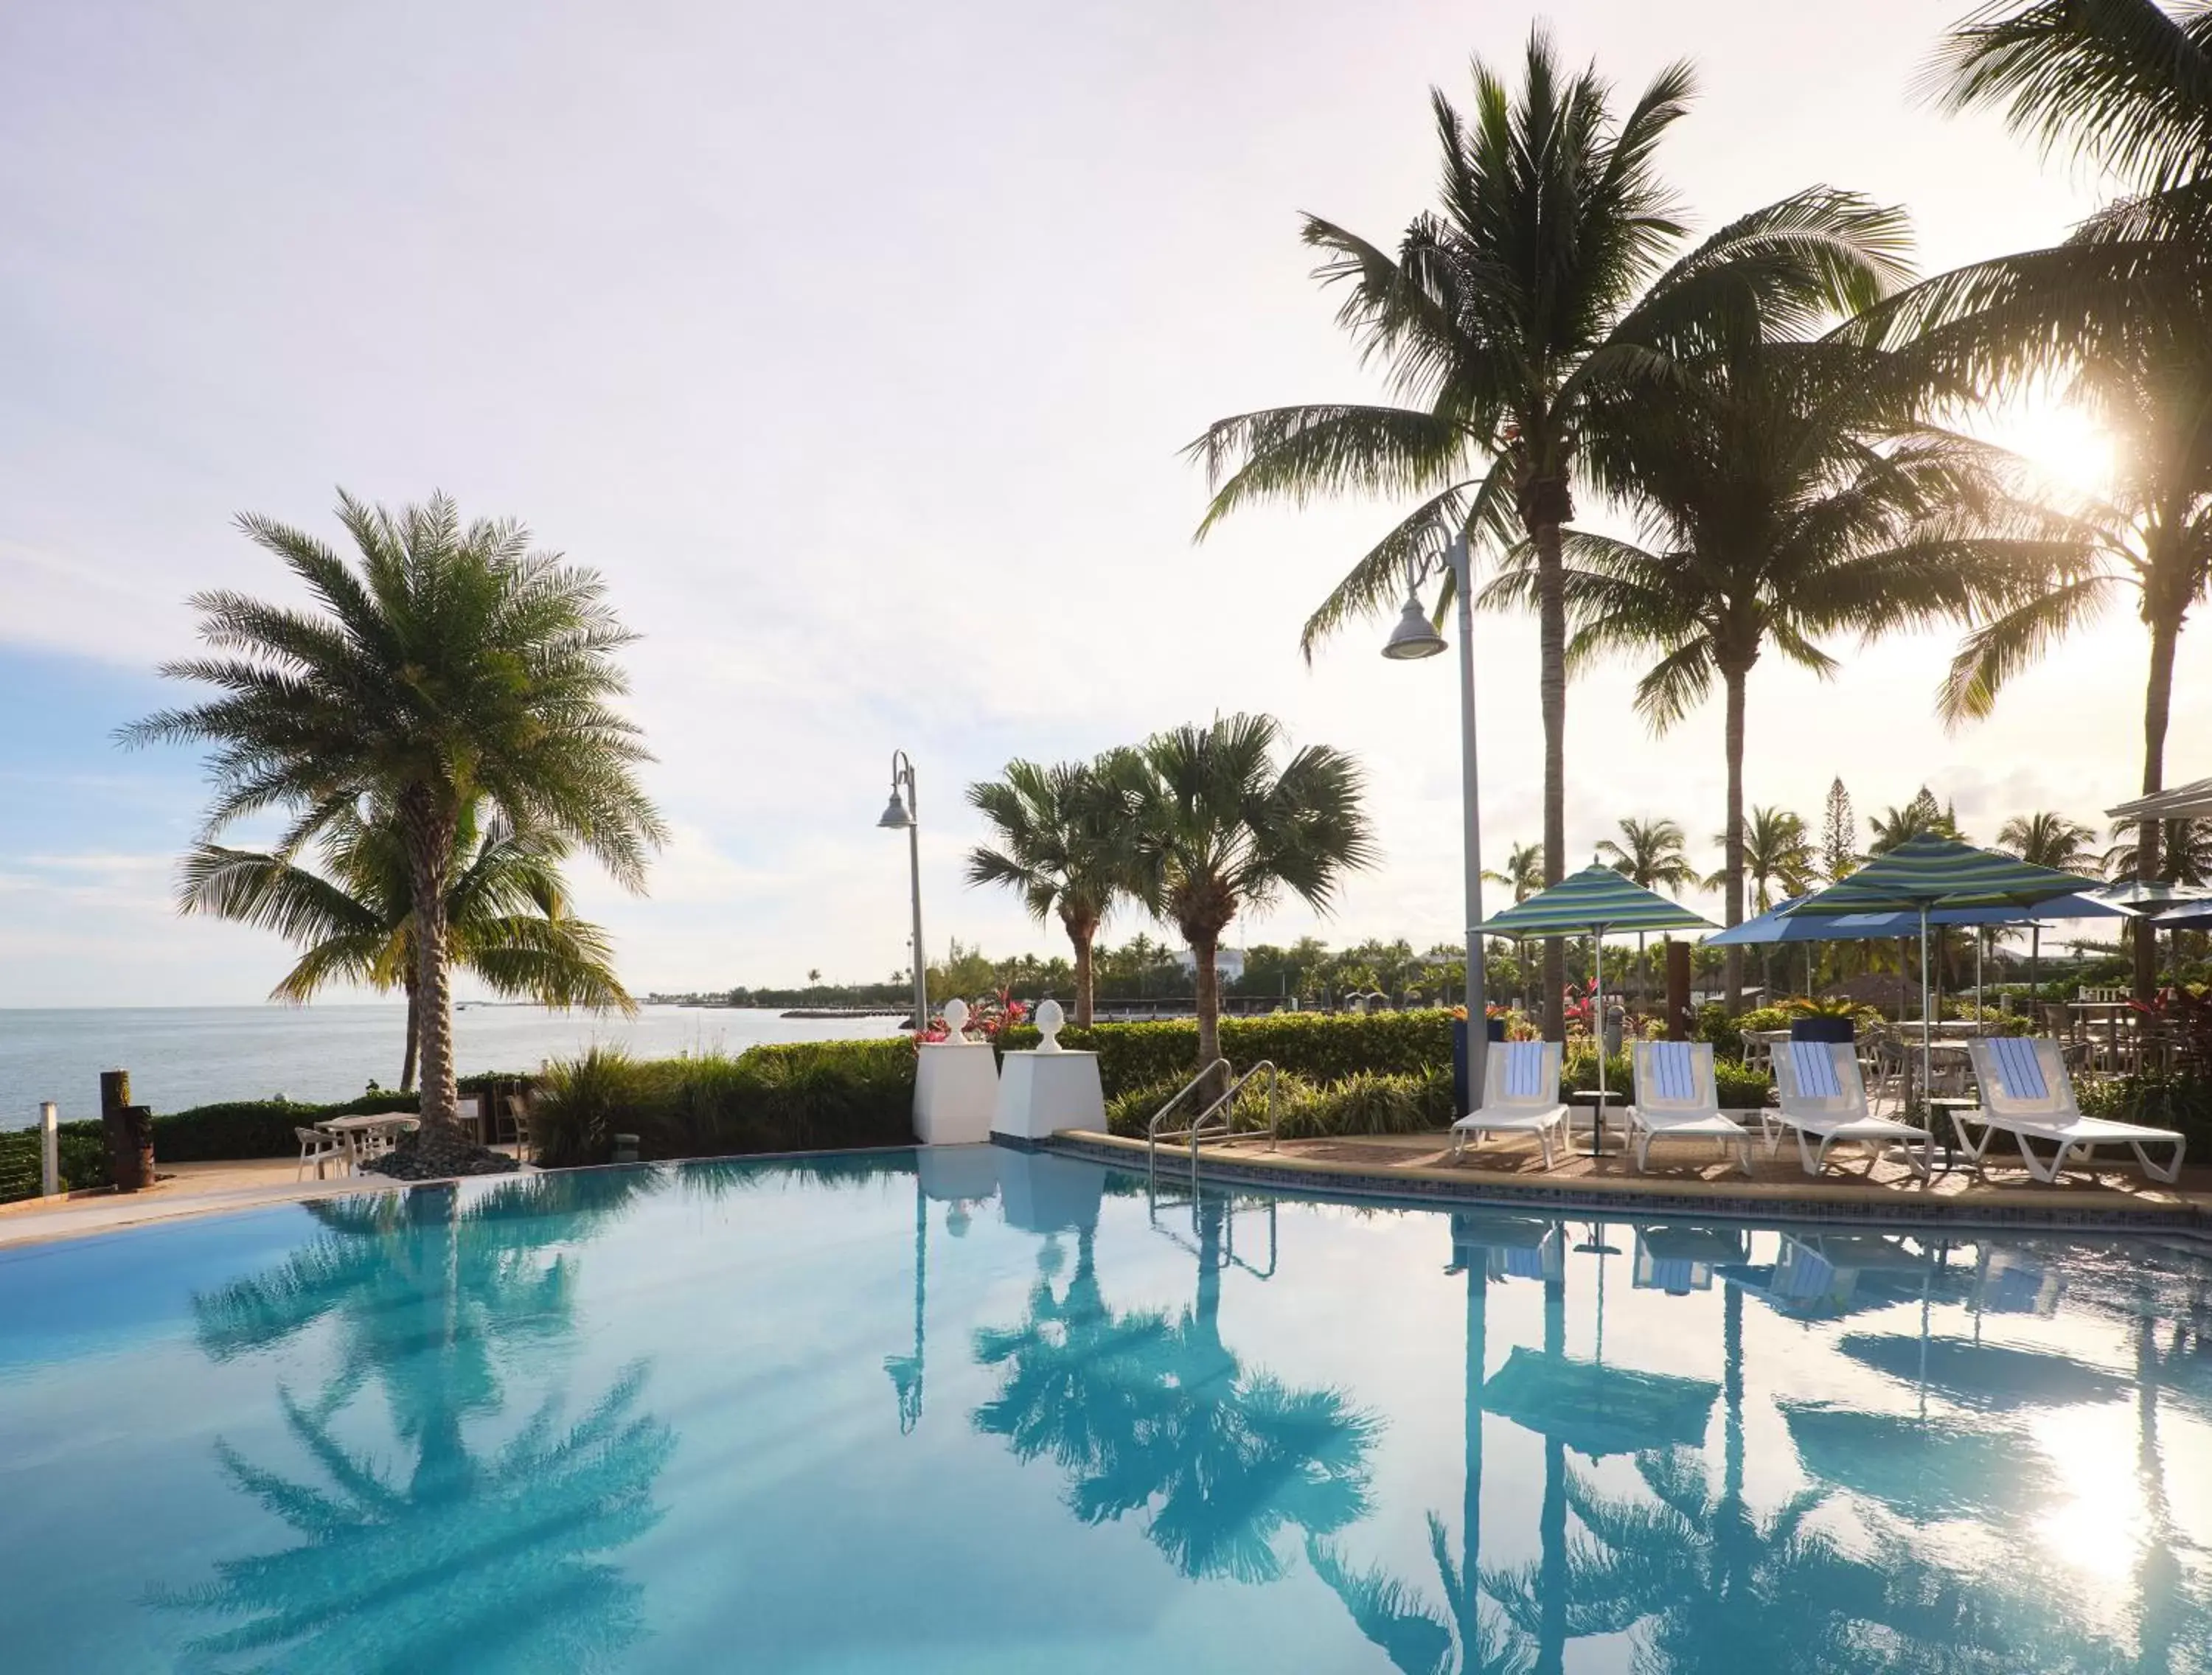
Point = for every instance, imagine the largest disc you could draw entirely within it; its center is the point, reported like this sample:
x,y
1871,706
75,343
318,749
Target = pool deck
x,y
1685,1178
185,1189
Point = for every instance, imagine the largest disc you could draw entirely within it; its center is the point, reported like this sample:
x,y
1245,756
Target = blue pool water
x,y
982,1411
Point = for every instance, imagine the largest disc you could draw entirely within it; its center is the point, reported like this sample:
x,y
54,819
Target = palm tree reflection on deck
x,y
474,1556
1151,1414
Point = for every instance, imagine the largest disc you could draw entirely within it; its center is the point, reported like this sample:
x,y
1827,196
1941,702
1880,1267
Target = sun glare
x,y
2061,440
2099,1525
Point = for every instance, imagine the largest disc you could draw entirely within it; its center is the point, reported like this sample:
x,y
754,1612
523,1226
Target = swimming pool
x,y
984,1411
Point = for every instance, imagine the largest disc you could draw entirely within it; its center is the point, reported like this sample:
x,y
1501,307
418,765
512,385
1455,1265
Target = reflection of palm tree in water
x,y
1146,1413
1416,1637
485,1560
1724,1590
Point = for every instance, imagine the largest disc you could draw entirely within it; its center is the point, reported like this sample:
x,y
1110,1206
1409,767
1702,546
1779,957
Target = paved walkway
x,y
1508,1165
185,1189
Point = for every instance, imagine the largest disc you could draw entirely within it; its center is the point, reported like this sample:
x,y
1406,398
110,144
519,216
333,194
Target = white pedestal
x,y
956,1086
1041,1093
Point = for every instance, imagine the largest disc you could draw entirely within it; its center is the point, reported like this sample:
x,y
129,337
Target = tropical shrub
x,y
806,1096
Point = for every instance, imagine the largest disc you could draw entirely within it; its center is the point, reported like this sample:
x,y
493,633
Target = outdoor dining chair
x,y
319,1149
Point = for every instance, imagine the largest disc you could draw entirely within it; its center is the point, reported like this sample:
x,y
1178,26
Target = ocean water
x,y
180,1056
974,1412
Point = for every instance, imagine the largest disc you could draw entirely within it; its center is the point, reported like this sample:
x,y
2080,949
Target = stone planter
x,y
1824,1030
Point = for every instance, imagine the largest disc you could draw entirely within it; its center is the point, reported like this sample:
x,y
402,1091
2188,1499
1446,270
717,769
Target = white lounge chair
x,y
1675,1100
2026,1093
1824,1098
1520,1096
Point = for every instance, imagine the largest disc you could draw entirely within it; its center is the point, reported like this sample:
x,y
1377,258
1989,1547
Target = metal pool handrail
x,y
1217,1120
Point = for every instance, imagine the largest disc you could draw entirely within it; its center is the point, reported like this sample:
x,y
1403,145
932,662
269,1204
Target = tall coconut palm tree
x,y
2117,318
1538,290
445,668
1784,493
508,914
1223,830
1063,840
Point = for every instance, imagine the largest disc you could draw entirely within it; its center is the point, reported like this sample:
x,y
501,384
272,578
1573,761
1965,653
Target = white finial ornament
x,y
1049,1022
955,1019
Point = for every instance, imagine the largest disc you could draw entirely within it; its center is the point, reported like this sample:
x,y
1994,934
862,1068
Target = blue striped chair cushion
x,y
1524,1069
2020,1067
1814,1067
1674,1078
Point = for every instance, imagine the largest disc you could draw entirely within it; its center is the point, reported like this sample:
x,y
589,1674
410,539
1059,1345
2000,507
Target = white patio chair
x,y
1676,1098
319,1149
1824,1098
1520,1096
2026,1093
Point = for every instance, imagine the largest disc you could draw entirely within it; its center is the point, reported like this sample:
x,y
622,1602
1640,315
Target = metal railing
x,y
1217,1121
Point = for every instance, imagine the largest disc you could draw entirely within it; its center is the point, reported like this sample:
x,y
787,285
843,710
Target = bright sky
x,y
855,344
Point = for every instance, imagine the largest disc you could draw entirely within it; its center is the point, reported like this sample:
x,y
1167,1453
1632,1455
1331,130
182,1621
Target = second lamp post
x,y
1415,636
904,811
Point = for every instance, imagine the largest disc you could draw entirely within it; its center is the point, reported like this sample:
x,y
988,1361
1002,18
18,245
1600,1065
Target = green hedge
x,y
1321,1047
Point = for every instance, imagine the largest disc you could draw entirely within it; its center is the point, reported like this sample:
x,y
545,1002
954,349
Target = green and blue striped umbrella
x,y
1598,900
1595,901
1925,873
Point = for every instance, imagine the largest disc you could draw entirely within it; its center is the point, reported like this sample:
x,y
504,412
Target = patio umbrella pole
x,y
1597,966
1927,1033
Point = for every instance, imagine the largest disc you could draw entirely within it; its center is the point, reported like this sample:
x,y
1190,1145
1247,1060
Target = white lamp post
x,y
1415,637
904,812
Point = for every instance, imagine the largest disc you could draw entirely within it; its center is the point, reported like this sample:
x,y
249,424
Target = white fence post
x,y
50,1158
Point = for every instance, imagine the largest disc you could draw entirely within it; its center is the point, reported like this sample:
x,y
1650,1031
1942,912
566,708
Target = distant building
x,y
1228,964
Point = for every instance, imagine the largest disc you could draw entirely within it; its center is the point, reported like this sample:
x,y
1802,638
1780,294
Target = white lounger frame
x,y
1697,1118
1540,1113
1842,1116
2057,1117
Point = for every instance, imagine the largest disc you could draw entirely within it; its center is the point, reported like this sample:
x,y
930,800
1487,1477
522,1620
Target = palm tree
x,y
1784,492
1524,871
506,911
1507,320
2117,318
1524,877
1777,850
447,668
1064,842
1921,816
1650,853
2048,839
1223,830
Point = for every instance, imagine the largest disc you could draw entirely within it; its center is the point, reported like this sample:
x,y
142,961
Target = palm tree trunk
x,y
1081,933
414,1039
1552,639
2158,703
1733,856
1208,1007
430,849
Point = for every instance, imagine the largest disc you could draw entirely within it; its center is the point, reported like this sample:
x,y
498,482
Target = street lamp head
x,y
1415,636
896,816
